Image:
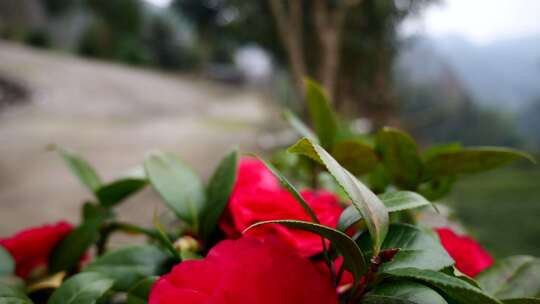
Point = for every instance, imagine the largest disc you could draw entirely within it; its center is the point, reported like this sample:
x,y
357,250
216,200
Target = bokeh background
x,y
114,79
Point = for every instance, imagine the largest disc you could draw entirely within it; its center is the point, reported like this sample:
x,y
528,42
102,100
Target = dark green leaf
x,y
141,291
68,253
356,156
181,189
130,264
9,295
394,201
321,114
472,160
81,168
352,255
403,292
455,288
418,249
299,125
513,277
400,157
7,264
367,203
83,288
522,301
218,192
115,192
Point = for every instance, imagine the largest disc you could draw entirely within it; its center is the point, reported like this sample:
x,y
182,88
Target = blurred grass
x,y
502,209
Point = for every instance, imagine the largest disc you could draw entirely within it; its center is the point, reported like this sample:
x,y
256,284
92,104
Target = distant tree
x,y
347,45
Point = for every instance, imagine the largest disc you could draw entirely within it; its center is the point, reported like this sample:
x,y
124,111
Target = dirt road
x,y
113,115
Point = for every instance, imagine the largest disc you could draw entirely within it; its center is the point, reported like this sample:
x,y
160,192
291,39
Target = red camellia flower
x,y
470,257
247,270
31,248
257,196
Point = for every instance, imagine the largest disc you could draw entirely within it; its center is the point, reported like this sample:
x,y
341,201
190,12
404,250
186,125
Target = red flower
x,y
258,197
470,257
247,270
31,247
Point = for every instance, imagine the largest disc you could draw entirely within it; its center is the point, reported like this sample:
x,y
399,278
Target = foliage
x,y
388,256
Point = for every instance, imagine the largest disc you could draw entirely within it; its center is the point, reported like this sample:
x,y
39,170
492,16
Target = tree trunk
x,y
329,24
290,28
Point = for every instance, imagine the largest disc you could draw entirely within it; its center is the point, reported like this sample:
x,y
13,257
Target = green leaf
x,y
438,149
403,292
130,264
12,281
321,114
141,291
83,288
9,295
356,156
81,168
68,253
455,288
400,157
299,125
513,277
353,257
181,189
7,263
472,160
394,201
418,249
366,202
292,190
218,192
115,192
522,301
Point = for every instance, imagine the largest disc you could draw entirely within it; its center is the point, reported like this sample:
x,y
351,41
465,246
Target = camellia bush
x,y
249,235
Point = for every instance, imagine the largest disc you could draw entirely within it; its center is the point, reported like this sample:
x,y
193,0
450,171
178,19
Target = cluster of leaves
x,y
391,261
391,159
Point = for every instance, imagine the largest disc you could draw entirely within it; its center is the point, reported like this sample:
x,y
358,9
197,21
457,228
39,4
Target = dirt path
x,y
113,115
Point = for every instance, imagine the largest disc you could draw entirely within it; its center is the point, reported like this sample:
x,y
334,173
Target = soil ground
x,y
113,115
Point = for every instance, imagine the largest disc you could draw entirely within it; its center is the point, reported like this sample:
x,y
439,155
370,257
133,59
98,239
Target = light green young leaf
x,y
353,257
472,160
7,263
405,292
178,185
81,168
513,277
455,288
218,192
417,249
356,156
400,157
321,114
366,202
83,288
130,264
394,201
9,295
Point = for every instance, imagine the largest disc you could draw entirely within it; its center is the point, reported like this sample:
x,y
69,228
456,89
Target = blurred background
x,y
114,79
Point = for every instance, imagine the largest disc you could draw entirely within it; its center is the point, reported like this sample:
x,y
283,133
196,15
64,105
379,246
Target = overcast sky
x,y
481,21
